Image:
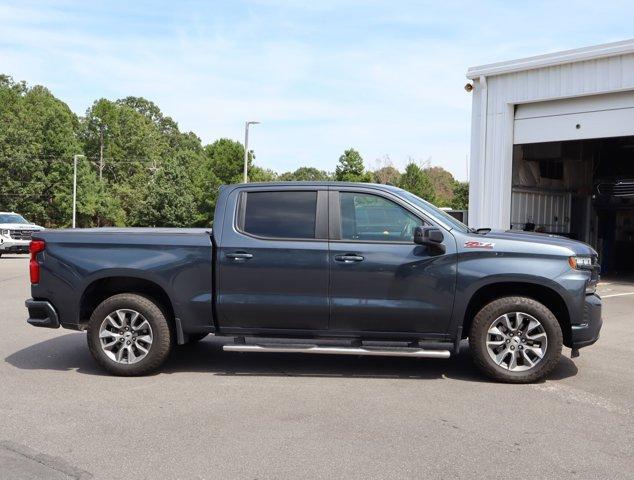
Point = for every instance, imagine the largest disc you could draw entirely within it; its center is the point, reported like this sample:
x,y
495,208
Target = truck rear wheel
x,y
515,340
128,334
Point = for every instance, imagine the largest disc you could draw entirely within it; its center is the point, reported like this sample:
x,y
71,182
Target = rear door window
x,y
287,214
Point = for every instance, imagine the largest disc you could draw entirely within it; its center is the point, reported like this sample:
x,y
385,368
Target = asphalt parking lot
x,y
213,414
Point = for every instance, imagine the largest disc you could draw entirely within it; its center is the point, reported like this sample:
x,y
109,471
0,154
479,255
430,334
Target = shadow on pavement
x,y
70,352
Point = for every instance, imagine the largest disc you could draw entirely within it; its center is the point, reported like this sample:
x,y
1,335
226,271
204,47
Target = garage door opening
x,y
582,189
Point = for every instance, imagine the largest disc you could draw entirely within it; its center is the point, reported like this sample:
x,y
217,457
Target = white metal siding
x,y
490,188
595,116
549,210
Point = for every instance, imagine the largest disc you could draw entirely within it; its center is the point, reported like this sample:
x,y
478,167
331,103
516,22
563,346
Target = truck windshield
x,y
12,218
434,211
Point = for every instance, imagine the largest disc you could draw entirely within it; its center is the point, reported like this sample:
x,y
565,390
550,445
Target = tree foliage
x,y
351,168
387,175
305,174
460,199
137,168
443,184
36,130
415,180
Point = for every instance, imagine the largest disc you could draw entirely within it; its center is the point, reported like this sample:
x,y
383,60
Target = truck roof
x,y
311,183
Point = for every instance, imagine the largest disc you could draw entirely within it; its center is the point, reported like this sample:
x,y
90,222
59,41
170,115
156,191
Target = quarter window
x,y
373,218
281,214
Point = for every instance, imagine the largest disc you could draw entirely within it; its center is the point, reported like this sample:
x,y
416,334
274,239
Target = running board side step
x,y
393,352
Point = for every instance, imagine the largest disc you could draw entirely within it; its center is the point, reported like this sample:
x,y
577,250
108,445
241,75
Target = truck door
x,y
273,260
380,281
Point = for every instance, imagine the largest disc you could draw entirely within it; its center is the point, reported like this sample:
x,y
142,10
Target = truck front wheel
x,y
128,334
515,340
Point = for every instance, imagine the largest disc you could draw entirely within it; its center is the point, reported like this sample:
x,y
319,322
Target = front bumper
x,y
42,314
588,332
9,245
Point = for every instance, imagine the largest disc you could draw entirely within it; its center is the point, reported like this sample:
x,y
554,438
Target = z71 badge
x,y
474,244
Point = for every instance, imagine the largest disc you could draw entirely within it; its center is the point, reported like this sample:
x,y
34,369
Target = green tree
x,y
135,141
259,174
387,175
351,168
303,174
460,196
38,137
416,181
225,158
443,184
170,201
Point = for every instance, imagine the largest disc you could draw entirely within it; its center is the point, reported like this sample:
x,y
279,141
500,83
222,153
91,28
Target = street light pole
x,y
75,157
246,148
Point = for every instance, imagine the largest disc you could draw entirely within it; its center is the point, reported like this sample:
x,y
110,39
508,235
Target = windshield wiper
x,y
480,231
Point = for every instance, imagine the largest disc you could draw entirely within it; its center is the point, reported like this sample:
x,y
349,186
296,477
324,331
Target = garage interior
x,y
582,189
573,173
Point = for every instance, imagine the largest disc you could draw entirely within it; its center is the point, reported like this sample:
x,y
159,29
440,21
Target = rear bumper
x,y
588,332
42,314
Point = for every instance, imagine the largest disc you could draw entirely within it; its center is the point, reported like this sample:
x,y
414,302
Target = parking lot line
x,y
617,294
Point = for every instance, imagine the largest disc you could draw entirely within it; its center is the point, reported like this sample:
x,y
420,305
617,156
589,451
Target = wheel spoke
x,y
145,339
537,336
539,353
109,344
119,355
131,355
501,356
495,343
108,334
532,324
113,322
527,358
142,326
122,318
133,318
513,361
496,331
507,321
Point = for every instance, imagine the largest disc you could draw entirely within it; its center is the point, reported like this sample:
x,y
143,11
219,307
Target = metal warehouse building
x,y
552,148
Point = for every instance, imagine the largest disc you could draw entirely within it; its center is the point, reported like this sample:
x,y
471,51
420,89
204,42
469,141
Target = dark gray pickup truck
x,y
339,268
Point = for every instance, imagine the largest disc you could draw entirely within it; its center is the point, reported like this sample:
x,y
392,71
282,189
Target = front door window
x,y
366,217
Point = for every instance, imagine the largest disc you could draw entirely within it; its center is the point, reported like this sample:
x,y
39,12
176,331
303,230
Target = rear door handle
x,y
239,256
349,258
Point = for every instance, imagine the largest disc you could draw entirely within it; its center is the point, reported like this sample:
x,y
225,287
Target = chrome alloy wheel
x,y
125,336
516,341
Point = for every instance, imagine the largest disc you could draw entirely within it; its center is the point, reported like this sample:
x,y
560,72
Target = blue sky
x,y
383,77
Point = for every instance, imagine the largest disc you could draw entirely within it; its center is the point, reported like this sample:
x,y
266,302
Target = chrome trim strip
x,y
418,353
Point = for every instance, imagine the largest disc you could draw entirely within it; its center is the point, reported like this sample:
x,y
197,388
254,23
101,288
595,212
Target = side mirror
x,y
429,236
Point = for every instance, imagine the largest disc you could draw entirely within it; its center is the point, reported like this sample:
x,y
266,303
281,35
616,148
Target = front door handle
x,y
239,256
349,258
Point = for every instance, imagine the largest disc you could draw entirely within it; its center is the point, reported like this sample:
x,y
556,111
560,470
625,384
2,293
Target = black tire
x,y
161,331
495,309
194,338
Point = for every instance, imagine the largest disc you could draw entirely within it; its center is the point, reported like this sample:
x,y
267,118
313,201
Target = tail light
x,y
35,247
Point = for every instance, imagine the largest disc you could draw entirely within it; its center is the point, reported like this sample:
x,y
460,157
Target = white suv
x,y
15,233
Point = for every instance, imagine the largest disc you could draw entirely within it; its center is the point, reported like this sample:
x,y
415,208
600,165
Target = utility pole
x,y
75,157
246,149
